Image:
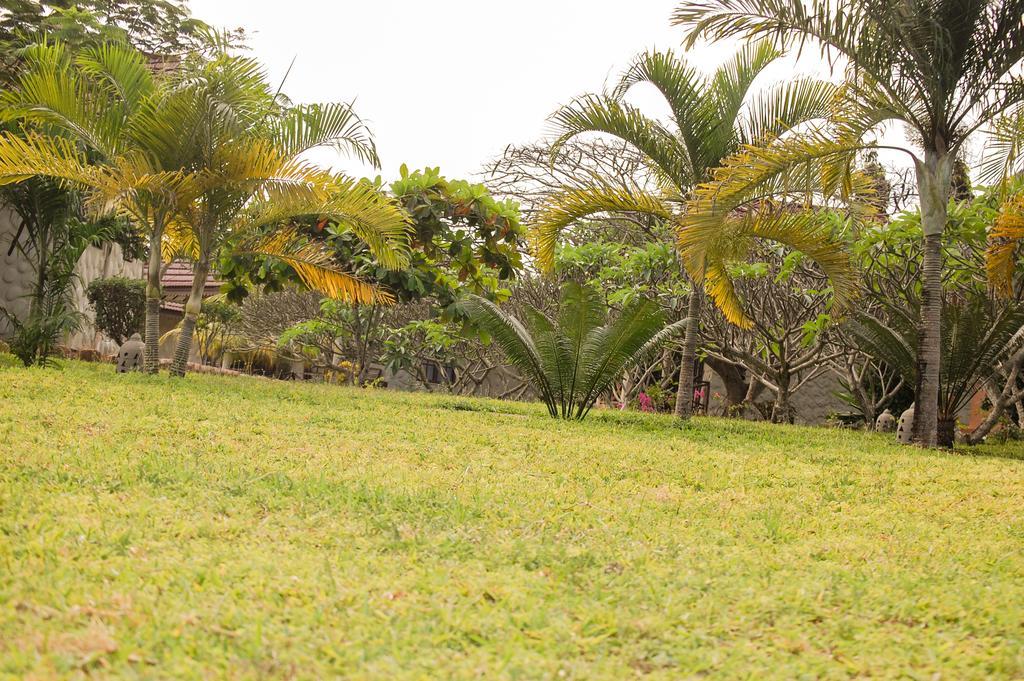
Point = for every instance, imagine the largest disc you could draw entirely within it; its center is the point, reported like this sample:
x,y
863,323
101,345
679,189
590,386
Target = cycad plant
x,y
572,360
712,117
942,68
977,335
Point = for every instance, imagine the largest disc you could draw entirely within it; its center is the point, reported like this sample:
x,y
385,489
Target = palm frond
x,y
572,204
609,349
309,126
315,266
581,311
40,155
358,206
119,68
1004,148
593,113
1004,243
731,84
556,360
51,92
780,108
684,90
710,240
514,340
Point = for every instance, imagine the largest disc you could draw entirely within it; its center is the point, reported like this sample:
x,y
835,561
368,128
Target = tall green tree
x,y
160,28
711,117
943,68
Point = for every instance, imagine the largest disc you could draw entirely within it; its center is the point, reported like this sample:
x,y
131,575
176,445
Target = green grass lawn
x,y
234,527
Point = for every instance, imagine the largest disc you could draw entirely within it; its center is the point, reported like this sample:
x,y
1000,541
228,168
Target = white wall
x,y
16,281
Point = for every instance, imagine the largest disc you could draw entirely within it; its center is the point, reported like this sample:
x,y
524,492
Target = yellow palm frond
x,y
179,241
709,241
56,157
255,168
1004,241
574,203
662,149
355,205
315,266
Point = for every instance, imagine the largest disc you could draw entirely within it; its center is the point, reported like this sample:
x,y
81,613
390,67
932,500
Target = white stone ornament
x,y
129,355
885,423
905,429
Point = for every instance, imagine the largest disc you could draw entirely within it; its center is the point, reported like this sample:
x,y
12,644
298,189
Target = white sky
x,y
447,83
451,83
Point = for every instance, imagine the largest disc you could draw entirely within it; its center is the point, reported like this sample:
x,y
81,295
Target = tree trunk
x,y
188,324
933,186
151,362
782,412
684,393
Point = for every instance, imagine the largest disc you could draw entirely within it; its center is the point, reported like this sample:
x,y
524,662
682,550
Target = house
x,y
176,283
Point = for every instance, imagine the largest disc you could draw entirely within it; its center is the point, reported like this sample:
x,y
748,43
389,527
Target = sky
x,y
451,83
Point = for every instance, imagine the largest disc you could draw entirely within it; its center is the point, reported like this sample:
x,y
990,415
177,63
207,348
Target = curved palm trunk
x,y
188,325
933,185
684,393
152,351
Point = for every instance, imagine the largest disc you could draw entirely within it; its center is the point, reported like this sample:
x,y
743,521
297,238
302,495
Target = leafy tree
x,y
463,241
978,335
944,69
787,346
161,28
101,123
178,157
120,306
572,360
711,118
982,339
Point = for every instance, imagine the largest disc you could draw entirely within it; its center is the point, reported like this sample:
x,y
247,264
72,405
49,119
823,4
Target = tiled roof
x,y
177,284
178,277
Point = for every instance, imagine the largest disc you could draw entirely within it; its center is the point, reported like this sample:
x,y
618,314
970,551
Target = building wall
x,y
16,282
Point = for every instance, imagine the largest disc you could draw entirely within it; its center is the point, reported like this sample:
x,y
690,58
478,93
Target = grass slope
x,y
234,527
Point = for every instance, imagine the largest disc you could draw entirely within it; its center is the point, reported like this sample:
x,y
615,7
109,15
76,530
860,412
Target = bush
x,y
36,339
120,306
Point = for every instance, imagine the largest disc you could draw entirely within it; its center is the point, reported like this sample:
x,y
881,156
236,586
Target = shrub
x,y
120,306
36,339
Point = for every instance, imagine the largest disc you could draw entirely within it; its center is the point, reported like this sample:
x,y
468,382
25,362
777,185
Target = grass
x,y
219,527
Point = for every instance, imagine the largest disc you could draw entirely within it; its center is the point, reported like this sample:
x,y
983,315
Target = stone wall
x,y
16,282
814,402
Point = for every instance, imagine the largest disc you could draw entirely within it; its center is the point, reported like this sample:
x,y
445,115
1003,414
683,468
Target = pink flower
x,y
645,402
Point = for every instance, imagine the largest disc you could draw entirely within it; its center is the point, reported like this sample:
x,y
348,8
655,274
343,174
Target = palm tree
x,y
249,158
101,122
144,148
711,118
943,68
573,360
